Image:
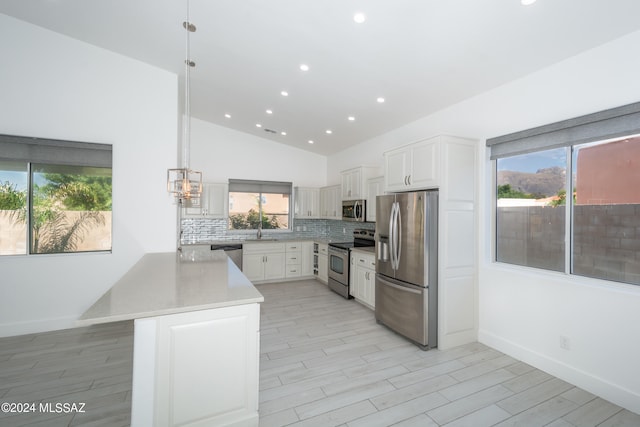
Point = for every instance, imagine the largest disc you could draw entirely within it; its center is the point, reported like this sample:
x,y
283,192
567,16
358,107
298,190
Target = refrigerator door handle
x,y
391,250
395,210
399,235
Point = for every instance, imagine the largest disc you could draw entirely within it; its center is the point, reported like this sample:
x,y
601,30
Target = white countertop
x,y
169,283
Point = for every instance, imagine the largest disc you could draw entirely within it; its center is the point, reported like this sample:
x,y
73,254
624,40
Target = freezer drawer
x,y
403,308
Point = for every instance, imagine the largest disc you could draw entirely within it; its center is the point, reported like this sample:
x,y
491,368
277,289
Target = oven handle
x,y
338,250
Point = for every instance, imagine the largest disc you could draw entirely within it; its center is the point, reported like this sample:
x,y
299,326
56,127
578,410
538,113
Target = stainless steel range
x,y
339,260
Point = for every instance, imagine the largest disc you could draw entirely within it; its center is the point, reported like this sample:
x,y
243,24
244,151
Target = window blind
x,y
253,186
607,124
53,151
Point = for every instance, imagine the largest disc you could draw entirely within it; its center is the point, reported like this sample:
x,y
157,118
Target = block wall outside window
x,y
531,210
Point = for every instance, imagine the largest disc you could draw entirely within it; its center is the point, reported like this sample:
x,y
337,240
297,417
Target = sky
x,y
534,161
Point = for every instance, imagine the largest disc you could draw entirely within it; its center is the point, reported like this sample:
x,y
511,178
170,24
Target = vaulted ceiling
x,y
419,55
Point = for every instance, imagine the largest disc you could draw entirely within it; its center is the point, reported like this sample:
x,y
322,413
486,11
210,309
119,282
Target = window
x,y
606,210
257,205
13,207
530,221
55,196
594,232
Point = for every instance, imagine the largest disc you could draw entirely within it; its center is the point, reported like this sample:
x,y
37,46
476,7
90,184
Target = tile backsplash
x,y
205,230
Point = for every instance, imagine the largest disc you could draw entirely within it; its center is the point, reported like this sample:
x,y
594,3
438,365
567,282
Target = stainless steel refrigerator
x,y
407,265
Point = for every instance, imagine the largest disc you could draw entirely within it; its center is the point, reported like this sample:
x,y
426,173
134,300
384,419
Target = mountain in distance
x,y
543,183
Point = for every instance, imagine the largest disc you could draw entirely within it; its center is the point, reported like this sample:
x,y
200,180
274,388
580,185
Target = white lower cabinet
x,y
293,260
274,266
323,262
198,368
263,261
363,278
299,259
269,261
307,259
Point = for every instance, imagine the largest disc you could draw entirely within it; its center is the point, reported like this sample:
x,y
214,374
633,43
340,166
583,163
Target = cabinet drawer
x,y
293,259
294,247
366,261
263,248
293,271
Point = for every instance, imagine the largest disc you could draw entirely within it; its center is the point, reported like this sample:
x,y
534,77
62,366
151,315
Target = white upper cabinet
x,y
375,187
354,182
307,203
415,166
214,202
331,202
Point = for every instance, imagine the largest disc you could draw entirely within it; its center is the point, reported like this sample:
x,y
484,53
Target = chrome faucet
x,y
259,233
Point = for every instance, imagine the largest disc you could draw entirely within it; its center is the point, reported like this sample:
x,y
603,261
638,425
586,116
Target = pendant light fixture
x,y
184,183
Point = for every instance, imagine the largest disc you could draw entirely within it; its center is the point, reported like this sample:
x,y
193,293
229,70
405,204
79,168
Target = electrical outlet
x,y
344,230
565,343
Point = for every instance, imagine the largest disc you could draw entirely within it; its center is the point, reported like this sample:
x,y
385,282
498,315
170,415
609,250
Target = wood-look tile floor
x,y
324,362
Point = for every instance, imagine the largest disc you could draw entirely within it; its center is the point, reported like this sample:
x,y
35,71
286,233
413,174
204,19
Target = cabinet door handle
x,y
409,179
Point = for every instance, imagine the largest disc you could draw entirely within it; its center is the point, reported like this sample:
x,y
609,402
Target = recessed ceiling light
x,y
359,17
380,100
228,116
269,112
284,93
527,2
351,118
283,133
328,131
310,141
304,67
258,125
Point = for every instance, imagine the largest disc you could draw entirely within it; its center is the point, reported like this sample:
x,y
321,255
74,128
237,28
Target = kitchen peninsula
x,y
196,339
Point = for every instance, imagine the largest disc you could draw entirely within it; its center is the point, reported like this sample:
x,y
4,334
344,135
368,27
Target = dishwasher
x,y
233,251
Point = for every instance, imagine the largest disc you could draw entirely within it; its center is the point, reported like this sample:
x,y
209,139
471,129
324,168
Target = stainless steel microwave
x,y
354,210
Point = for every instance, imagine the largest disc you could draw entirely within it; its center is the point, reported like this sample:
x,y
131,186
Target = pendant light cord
x,y
186,136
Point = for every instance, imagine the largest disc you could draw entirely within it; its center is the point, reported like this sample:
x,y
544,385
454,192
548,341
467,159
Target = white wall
x,y
55,87
222,153
523,312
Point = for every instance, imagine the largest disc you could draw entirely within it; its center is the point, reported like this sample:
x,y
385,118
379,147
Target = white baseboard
x,y
456,339
36,326
612,392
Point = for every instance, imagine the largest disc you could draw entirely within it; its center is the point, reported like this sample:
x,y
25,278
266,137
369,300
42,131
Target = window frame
x,y
262,187
608,125
52,152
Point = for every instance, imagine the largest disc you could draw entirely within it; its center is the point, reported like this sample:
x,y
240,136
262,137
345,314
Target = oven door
x,y
339,265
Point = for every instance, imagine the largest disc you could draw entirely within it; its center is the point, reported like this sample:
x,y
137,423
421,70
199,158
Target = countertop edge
x,y
164,312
